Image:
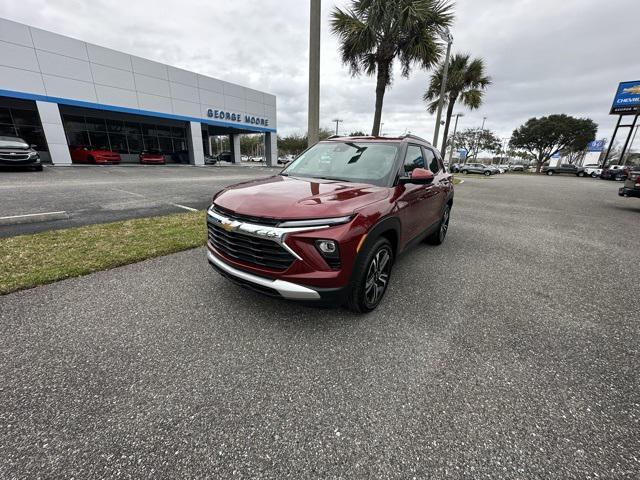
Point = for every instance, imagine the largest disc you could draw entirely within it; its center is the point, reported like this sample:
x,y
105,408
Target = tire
x,y
464,172
367,287
580,174
594,175
550,172
90,159
438,237
37,168
487,174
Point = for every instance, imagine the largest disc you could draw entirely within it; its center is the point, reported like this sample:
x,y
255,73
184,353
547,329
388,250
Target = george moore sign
x,y
237,117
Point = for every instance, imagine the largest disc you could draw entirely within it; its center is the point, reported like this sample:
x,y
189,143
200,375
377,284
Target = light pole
x,y
475,148
449,38
453,137
633,139
313,126
338,121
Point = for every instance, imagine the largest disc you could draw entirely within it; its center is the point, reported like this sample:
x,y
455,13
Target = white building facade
x,y
56,91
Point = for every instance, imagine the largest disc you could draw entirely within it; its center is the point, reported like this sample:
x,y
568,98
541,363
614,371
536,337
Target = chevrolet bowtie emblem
x,y
227,226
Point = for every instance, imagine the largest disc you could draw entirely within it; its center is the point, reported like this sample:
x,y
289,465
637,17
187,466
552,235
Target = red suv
x,y
87,154
328,228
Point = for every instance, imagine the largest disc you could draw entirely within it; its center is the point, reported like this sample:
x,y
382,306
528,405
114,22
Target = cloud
x,y
545,56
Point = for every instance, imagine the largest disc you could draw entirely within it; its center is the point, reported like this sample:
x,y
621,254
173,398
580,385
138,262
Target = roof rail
x,y
409,135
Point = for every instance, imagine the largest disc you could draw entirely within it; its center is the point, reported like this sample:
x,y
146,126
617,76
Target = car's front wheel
x,y
371,277
487,174
581,174
594,175
549,172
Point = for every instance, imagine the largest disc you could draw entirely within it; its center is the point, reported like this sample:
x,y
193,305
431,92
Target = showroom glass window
x,y
19,118
124,136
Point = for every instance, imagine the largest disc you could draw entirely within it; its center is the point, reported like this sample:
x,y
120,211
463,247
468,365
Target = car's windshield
x,y
349,161
12,142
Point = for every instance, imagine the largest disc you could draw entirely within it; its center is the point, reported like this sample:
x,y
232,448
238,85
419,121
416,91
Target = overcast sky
x,y
545,56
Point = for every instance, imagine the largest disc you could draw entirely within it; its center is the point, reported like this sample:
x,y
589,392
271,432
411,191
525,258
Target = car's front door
x,y
415,213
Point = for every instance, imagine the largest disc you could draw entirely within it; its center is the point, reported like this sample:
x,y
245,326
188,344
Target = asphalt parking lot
x,y
103,194
511,351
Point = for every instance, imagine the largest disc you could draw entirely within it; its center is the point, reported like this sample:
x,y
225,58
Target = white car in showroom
x,y
593,170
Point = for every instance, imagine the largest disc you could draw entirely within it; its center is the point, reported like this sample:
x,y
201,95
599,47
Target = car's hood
x,y
297,198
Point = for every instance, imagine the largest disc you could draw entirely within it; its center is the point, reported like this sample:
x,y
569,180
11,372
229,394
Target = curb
x,y
34,218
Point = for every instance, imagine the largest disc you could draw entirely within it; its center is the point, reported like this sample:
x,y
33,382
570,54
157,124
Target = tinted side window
x,y
414,159
431,160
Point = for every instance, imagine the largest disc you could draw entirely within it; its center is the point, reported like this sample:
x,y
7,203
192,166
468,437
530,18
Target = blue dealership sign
x,y
595,146
627,99
462,153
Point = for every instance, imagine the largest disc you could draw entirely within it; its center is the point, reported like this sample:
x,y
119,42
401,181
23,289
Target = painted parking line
x,y
185,207
34,218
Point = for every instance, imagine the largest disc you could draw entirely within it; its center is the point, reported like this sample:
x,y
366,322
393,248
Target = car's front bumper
x,y
276,287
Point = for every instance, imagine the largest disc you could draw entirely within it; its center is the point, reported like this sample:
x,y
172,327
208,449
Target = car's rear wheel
x,y
487,174
465,171
437,237
594,175
549,172
371,277
581,174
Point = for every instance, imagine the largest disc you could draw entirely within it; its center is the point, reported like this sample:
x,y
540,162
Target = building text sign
x,y
237,117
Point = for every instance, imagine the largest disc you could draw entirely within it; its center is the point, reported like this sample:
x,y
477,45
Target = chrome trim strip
x,y
288,290
267,232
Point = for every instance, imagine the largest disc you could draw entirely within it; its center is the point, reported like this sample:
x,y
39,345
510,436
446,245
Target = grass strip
x,y
30,260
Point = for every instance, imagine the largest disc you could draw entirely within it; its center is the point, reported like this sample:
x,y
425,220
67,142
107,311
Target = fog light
x,y
327,246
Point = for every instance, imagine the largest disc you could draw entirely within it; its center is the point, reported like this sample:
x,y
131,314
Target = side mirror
x,y
419,176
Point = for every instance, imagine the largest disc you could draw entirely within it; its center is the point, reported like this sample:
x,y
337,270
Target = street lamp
x,y
453,138
338,121
443,87
475,154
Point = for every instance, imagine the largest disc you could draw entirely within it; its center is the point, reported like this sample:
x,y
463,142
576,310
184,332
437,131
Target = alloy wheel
x,y
377,276
444,224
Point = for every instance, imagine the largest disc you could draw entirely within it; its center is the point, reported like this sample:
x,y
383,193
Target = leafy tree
x,y
375,33
476,140
295,143
358,133
466,82
546,136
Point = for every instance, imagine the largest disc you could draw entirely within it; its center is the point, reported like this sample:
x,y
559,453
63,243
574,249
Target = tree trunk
x,y
539,163
447,124
381,86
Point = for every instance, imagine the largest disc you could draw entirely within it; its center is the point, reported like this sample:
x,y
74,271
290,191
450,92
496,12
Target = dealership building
x,y
56,91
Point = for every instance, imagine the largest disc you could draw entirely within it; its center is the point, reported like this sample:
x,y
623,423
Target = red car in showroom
x,y
328,228
88,154
151,157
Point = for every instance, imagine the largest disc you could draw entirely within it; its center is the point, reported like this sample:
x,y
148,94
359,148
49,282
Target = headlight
x,y
34,155
316,222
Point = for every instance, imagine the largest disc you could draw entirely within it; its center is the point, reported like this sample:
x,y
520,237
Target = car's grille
x,y
16,156
272,222
258,251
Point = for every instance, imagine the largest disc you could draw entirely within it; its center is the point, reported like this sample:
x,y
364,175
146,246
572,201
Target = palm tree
x,y
374,33
466,81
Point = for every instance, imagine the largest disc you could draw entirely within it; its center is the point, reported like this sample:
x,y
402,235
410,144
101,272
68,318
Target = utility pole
x,y
338,121
443,87
453,138
313,127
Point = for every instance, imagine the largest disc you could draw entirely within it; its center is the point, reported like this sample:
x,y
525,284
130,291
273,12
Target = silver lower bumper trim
x,y
289,290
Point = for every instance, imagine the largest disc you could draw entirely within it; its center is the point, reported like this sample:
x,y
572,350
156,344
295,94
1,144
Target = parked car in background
x,y
152,157
502,168
224,157
480,168
244,158
631,187
89,154
619,173
567,168
516,168
593,170
210,160
455,168
257,159
15,152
